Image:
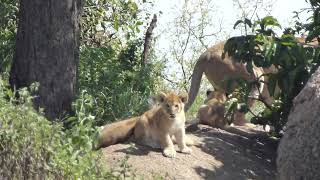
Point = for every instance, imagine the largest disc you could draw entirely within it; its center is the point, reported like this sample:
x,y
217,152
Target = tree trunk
x,y
47,51
299,148
147,40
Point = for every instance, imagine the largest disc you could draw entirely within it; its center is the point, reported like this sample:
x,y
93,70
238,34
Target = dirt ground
x,y
217,154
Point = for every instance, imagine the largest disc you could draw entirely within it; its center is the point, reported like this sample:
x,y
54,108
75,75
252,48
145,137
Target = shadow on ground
x,y
217,154
239,154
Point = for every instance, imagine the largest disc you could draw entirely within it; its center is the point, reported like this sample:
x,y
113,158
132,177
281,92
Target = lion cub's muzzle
x,y
171,115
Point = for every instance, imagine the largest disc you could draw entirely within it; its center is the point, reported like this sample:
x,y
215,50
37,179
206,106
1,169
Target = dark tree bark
x,y
47,51
299,148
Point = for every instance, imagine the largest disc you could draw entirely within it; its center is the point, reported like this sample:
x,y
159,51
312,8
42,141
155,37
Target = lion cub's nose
x,y
172,115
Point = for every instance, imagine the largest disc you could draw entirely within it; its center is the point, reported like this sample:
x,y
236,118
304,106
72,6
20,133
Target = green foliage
x,y
313,27
8,17
110,51
112,84
110,74
288,63
31,147
193,111
105,22
116,83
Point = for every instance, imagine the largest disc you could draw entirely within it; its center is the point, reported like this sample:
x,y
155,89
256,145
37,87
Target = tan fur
x,y
116,132
212,113
218,71
155,128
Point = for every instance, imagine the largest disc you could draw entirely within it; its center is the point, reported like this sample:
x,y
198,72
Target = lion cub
x,y
157,127
212,113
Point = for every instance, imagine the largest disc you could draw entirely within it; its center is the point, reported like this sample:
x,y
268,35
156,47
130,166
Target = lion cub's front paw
x,y
169,152
186,150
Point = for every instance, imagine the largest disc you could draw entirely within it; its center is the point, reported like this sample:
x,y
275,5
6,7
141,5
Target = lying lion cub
x,y
157,127
212,113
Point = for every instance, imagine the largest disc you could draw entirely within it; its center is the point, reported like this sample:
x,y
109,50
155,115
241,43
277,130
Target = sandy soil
x,y
217,154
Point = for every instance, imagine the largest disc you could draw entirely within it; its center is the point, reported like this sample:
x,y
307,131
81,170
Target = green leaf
x,y
259,60
138,23
248,22
237,23
270,21
272,82
230,83
285,84
249,67
243,107
269,52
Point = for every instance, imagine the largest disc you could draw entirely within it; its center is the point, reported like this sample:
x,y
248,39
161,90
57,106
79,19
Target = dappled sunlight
x,y
216,154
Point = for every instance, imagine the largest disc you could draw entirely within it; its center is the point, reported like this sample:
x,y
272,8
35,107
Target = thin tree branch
x,y
147,40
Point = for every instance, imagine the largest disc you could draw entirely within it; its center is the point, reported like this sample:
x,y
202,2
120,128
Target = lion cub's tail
x,y
116,132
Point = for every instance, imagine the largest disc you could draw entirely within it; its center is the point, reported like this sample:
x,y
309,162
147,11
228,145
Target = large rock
x,y
217,155
299,149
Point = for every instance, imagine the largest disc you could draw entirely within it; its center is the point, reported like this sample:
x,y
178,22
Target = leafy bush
x,y
110,74
31,147
111,22
8,17
292,59
116,82
193,111
112,84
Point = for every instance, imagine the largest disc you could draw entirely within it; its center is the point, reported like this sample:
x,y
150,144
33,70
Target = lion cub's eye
x,y
176,105
168,105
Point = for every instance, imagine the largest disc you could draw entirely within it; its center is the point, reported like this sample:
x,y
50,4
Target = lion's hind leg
x,y
144,137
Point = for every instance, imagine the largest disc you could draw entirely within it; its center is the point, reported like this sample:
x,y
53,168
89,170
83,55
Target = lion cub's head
x,y
216,95
212,113
172,103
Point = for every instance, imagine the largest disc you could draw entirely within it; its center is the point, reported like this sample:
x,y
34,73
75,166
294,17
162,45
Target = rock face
x,y
299,149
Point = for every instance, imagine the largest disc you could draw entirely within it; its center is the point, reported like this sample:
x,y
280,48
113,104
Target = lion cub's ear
x,y
209,91
184,97
161,97
222,96
152,101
